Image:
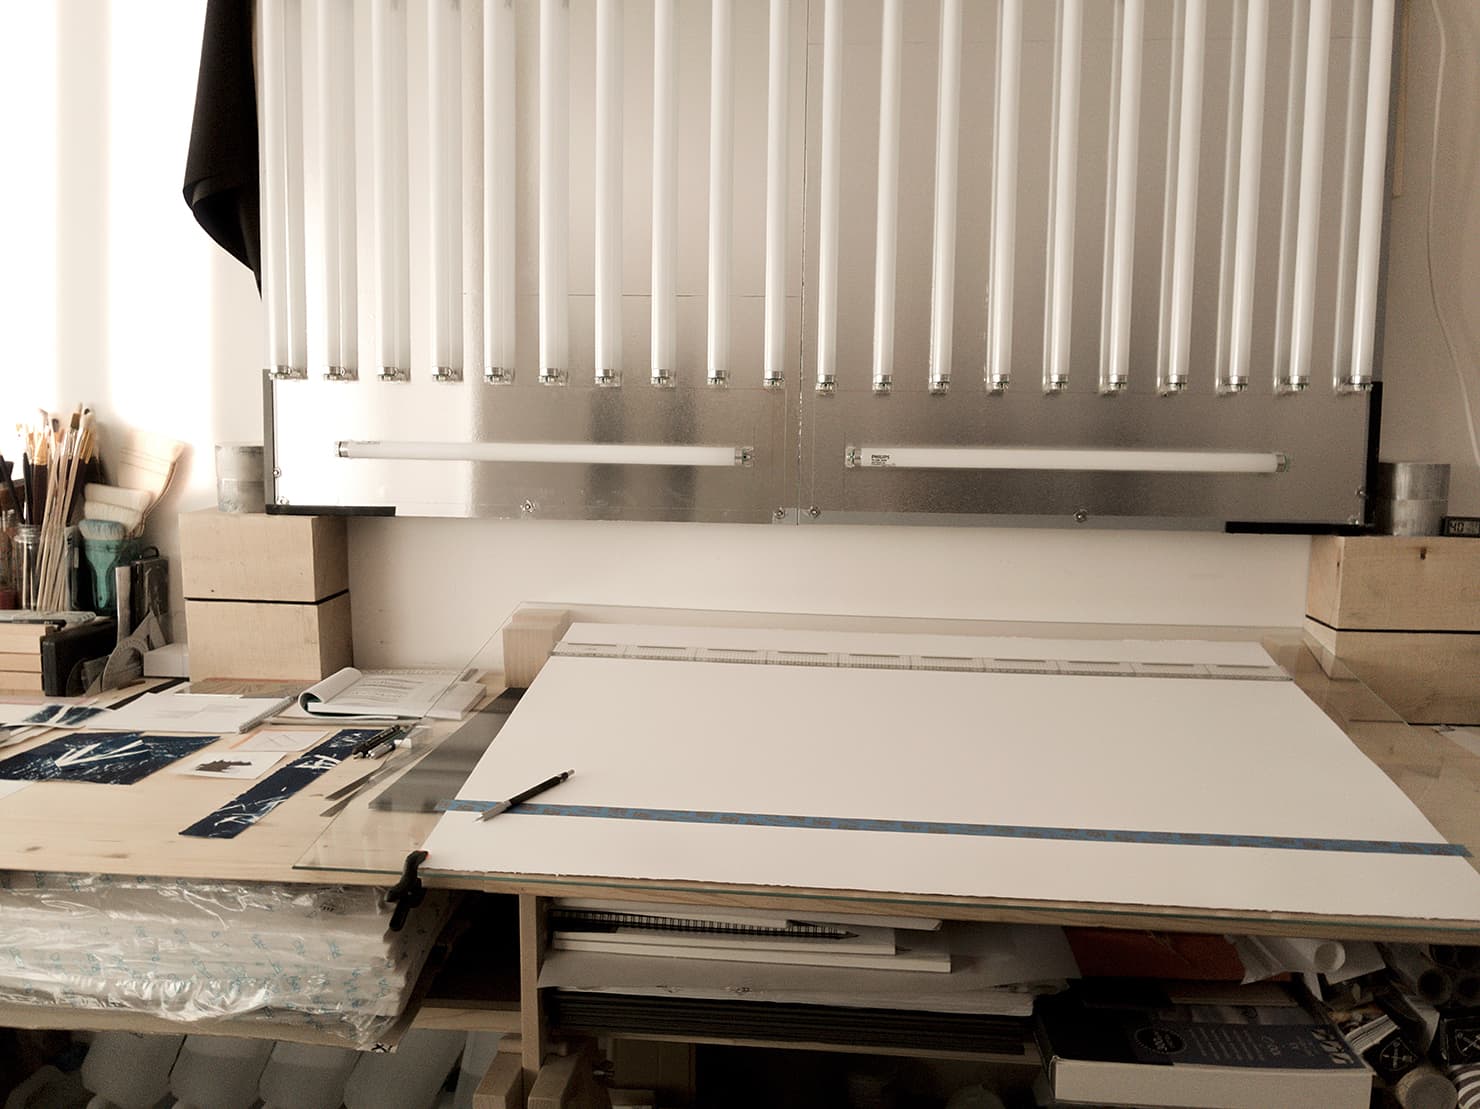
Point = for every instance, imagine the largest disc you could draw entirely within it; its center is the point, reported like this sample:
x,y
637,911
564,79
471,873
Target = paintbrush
x,y
5,470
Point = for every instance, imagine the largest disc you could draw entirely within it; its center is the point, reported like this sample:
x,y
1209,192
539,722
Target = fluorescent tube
x,y
1174,365
831,184
1058,318
1374,165
388,97
886,230
665,194
554,216
1004,195
1348,214
499,157
721,187
585,454
1066,458
1308,222
473,185
1289,204
1251,146
778,77
947,157
1121,218
336,81
608,352
445,128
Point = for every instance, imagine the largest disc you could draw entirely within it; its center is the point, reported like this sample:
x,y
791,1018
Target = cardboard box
x,y
251,557
1402,612
255,639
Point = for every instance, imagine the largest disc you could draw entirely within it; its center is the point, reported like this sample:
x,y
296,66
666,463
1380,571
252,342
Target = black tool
x,y
370,742
505,806
408,893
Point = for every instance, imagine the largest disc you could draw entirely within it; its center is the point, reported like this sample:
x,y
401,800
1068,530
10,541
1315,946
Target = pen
x,y
505,806
384,747
363,748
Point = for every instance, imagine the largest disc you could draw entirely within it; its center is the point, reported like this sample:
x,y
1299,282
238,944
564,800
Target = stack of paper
x,y
748,936
192,951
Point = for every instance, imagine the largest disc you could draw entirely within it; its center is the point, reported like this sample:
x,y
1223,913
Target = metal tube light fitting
x,y
1107,460
582,454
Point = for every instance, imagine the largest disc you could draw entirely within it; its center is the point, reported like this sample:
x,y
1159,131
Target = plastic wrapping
x,y
190,950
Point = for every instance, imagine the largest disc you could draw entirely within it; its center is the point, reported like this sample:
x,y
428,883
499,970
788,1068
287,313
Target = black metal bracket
x,y
408,893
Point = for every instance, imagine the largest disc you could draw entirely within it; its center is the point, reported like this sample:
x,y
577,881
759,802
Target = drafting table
x,y
76,828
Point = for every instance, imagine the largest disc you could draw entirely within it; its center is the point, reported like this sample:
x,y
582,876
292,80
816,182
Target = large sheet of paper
x,y
1184,756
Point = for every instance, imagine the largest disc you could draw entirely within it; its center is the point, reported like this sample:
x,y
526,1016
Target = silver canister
x,y
1410,498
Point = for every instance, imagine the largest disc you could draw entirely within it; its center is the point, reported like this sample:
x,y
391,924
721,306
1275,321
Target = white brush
x,y
136,499
131,518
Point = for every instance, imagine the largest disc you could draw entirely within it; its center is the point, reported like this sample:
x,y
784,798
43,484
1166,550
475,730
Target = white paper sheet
x,y
294,740
1065,751
228,764
196,713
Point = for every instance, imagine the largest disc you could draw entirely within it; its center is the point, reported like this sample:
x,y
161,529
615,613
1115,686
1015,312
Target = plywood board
x,y
1185,757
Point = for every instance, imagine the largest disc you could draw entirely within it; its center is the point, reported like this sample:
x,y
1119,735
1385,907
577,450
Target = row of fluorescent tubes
x,y
471,138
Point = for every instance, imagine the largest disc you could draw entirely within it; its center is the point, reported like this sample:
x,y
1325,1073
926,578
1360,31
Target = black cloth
x,y
221,165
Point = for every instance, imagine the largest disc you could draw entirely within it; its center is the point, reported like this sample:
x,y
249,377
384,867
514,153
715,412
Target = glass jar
x,y
26,563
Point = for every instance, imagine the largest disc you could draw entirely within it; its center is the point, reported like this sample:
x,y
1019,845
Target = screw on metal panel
x,y
1354,521
276,472
1081,515
779,514
526,506
1361,491
814,512
282,500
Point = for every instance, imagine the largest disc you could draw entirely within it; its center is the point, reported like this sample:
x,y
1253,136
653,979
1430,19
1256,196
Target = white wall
x,y
146,320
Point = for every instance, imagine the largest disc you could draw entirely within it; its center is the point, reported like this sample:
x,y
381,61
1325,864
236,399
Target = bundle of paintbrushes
x,y
57,452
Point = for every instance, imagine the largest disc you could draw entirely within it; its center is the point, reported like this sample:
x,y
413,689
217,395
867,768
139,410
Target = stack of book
x,y
1144,1043
20,656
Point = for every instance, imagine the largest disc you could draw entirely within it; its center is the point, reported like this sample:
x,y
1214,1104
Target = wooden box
x,y
265,596
252,557
1402,612
257,639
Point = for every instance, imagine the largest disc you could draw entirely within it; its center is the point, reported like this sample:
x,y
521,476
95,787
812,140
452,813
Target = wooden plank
x,y
567,1082
1427,677
532,939
528,638
258,557
267,640
502,1086
1029,1058
1394,583
457,1016
26,662
13,681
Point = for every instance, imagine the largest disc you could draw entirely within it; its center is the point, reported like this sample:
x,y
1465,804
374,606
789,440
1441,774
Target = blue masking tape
x,y
994,831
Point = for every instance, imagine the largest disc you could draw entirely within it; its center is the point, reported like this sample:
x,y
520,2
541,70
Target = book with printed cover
x,y
1145,1043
